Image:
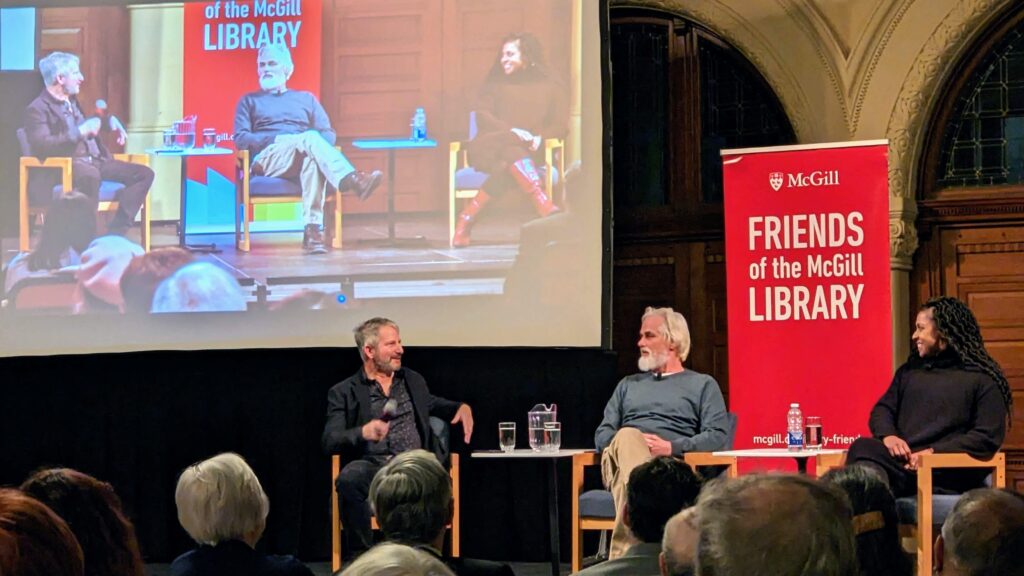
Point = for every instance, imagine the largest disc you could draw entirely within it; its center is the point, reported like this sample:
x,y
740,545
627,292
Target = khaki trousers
x,y
316,163
627,450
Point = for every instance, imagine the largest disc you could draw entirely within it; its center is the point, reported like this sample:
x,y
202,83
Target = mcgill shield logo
x,y
775,179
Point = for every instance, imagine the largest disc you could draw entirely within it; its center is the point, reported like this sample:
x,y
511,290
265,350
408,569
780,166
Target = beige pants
x,y
626,451
316,163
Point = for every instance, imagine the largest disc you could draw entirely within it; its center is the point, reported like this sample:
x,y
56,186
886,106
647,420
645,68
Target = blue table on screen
x,y
392,144
185,154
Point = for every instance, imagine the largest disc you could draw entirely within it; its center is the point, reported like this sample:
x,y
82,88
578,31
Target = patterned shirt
x,y
402,434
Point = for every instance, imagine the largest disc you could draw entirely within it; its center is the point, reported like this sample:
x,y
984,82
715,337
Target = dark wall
x,y
137,419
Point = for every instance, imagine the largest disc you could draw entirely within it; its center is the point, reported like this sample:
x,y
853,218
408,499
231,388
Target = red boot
x,y
467,217
529,180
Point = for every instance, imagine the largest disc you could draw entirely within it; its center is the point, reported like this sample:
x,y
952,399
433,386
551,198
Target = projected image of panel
x,y
270,173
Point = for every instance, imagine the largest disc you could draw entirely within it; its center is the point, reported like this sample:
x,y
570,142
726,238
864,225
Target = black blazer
x,y
348,409
52,131
469,566
234,558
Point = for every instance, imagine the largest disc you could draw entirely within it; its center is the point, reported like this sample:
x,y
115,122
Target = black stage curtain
x,y
136,420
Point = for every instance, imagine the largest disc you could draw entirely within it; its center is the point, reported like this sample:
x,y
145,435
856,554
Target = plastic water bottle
x,y
795,428
419,125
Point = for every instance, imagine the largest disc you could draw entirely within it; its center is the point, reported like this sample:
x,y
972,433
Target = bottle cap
x,y
794,405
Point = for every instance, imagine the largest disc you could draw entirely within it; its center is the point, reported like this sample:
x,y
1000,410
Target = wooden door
x,y
984,267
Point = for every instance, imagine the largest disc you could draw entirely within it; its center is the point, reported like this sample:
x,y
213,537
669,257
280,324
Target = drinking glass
x,y
209,138
507,436
552,436
169,137
812,433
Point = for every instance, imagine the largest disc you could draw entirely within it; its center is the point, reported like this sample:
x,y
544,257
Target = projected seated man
x,y
56,126
949,396
289,134
378,412
666,410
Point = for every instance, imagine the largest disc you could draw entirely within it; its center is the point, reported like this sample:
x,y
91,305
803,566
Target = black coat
x,y
53,131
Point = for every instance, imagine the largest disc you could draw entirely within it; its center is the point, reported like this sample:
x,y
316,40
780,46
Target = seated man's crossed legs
x,y
627,450
317,165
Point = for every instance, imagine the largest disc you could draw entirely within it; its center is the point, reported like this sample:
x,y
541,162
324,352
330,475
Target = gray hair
x,y
679,543
368,333
984,532
390,559
199,287
54,64
284,56
674,329
412,496
775,524
221,499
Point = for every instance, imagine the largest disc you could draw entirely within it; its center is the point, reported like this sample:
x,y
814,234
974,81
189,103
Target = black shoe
x,y
313,240
362,183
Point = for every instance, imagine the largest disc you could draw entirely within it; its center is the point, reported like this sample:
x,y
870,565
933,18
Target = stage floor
x,y
419,262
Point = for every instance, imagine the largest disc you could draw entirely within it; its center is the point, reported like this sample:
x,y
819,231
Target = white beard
x,y
652,362
272,82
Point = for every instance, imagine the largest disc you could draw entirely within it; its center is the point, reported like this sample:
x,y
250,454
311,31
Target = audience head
x,y
391,559
199,287
672,337
875,523
412,498
34,541
656,491
146,272
61,66
984,534
93,511
70,223
679,545
221,499
775,524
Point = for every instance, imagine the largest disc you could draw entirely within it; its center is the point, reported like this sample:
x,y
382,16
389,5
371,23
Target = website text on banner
x,y
807,265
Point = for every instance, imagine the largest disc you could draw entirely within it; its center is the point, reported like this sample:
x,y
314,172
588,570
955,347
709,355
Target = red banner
x,y
220,42
807,265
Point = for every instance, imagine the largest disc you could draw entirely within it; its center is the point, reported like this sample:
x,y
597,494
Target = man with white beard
x,y
289,134
666,410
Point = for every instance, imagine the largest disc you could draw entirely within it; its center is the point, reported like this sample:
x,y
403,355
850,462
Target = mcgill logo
x,y
801,180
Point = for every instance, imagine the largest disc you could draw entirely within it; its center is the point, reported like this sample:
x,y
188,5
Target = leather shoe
x,y
313,240
362,183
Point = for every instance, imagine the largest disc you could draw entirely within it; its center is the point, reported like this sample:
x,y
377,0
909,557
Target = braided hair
x,y
958,326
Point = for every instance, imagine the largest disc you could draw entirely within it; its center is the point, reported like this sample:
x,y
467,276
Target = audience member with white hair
x,y
391,559
679,544
666,410
984,534
224,509
199,287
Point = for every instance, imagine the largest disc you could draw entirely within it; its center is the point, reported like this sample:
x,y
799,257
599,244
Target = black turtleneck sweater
x,y
937,402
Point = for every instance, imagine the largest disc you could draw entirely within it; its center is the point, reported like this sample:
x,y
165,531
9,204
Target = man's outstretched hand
x,y
465,416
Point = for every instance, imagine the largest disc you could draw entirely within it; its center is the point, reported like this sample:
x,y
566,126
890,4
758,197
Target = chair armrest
x,y
695,459
242,160
997,463
62,163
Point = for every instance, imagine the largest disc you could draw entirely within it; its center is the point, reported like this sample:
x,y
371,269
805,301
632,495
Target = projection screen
x,y
463,138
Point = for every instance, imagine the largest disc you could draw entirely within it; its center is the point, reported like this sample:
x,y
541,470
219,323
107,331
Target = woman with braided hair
x,y
949,396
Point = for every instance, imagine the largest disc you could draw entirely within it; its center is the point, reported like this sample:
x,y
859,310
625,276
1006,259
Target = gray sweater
x,y
262,116
686,409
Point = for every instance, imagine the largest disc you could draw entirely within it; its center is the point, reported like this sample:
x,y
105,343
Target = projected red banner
x,y
807,264
220,41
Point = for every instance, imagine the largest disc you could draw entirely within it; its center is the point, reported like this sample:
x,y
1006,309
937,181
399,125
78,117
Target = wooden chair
x,y
453,471
28,163
919,514
595,509
465,182
251,190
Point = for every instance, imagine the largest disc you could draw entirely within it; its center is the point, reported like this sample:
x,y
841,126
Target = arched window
x,y
679,96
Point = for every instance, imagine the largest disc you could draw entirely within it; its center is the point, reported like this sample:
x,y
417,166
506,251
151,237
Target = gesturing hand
x,y
375,430
465,416
898,447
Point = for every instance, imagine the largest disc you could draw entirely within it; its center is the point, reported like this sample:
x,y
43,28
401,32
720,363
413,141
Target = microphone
x,y
390,410
113,124
101,107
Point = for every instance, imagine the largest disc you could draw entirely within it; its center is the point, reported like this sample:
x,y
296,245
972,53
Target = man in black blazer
x,y
380,411
56,126
412,495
